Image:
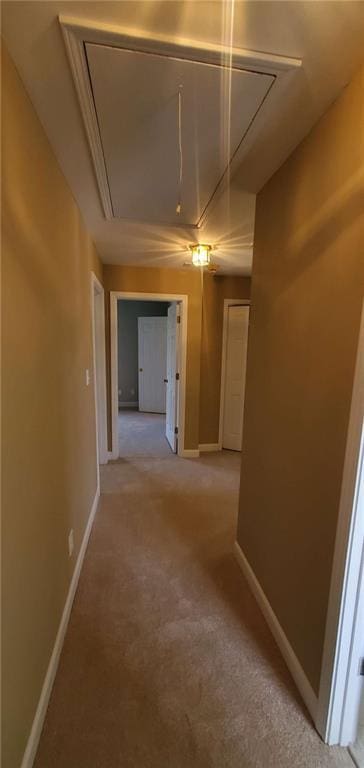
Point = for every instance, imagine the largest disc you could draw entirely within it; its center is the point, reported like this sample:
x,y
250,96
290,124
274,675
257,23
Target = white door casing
x,y
171,384
235,370
152,361
99,367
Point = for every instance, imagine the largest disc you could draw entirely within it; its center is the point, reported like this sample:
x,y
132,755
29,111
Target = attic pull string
x,y
180,152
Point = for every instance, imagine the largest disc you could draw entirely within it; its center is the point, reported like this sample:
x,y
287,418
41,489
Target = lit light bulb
x,y
200,254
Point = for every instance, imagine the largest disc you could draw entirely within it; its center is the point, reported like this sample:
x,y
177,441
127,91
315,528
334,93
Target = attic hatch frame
x,y
77,33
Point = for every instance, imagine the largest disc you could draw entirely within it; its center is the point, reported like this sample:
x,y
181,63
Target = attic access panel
x,y
136,101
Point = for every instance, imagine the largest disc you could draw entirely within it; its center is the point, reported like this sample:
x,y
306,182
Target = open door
x,y
171,383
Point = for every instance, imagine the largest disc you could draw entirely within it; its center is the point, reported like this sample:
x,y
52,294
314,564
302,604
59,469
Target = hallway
x,y
167,660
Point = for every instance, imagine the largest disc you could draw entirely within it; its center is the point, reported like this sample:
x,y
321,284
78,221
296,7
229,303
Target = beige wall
x,y
307,293
153,280
215,290
48,459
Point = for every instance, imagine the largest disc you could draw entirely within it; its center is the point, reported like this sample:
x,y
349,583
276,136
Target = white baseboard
x,y
294,666
189,453
38,721
209,447
131,404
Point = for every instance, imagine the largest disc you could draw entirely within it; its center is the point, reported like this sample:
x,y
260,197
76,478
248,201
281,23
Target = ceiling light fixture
x,y
200,254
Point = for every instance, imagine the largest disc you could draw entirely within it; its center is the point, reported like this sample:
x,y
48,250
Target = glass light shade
x,y
200,255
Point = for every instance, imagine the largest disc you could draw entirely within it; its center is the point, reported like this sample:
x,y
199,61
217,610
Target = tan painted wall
x,y
215,290
307,293
48,458
153,280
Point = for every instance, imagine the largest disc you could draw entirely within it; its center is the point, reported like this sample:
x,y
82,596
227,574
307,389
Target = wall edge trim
x,y
39,717
294,666
189,453
209,447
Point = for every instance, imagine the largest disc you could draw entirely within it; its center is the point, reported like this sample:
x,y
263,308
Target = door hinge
x,y
178,319
177,376
361,667
176,430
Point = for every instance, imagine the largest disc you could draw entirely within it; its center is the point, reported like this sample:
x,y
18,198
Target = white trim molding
x,y
189,453
294,666
77,32
227,303
340,683
32,745
182,300
99,369
209,447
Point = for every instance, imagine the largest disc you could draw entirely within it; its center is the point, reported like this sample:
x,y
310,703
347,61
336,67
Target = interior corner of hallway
x,y
307,295
49,458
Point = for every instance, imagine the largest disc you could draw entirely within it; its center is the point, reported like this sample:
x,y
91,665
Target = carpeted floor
x,y
142,434
167,662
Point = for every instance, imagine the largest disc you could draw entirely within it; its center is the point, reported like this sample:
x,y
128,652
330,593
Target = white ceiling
x,y
327,36
136,100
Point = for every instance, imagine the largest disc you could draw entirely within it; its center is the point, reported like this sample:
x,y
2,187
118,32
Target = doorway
x,y
142,378
148,344
233,372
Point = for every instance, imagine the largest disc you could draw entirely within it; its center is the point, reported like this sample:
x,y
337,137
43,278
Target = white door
x,y
152,356
235,368
171,386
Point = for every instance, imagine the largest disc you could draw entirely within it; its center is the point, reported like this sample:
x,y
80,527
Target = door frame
x,y
99,353
182,299
340,683
174,437
227,303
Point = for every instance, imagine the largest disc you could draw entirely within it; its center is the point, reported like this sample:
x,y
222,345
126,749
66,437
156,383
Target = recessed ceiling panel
x,y
137,106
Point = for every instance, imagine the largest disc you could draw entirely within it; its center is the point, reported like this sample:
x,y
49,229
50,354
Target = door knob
x,y
140,370
165,381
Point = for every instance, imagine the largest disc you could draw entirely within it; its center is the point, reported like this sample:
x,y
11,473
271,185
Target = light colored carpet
x,y
168,662
142,434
